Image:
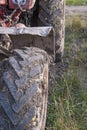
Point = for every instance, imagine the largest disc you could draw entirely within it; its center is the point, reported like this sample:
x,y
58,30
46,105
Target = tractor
x,y
31,38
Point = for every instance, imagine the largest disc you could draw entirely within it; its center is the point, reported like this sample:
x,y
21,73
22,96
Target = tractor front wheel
x,y
24,90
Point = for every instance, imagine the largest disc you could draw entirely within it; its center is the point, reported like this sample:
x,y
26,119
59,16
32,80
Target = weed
x,y
76,24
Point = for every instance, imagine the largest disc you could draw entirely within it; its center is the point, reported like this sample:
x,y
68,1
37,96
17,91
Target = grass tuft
x,y
67,107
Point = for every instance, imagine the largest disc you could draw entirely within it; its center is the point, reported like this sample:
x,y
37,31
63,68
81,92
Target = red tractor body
x,y
10,11
27,4
3,2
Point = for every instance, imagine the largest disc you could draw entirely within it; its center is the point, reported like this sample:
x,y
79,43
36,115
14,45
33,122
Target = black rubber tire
x,y
24,90
52,12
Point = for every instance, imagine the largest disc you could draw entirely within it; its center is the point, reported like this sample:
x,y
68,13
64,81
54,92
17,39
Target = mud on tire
x,y
52,12
23,94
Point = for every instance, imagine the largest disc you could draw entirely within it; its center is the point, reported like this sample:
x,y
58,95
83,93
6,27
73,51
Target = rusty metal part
x,y
41,37
5,46
5,41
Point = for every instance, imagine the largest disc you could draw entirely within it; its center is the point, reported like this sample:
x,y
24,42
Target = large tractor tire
x,y
52,12
24,90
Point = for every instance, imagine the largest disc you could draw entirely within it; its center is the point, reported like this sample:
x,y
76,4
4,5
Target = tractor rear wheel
x,y
52,12
24,90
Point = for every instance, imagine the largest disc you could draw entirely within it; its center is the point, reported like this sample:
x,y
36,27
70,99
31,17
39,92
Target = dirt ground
x,y
72,10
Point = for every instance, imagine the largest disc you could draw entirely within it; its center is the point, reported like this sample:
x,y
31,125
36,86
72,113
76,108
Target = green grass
x,y
67,107
76,2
